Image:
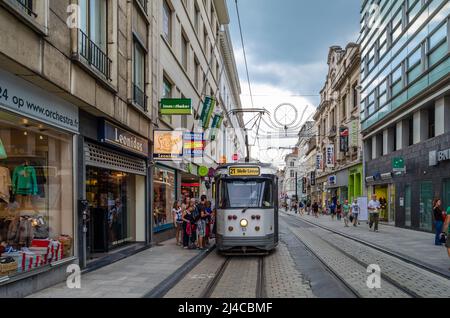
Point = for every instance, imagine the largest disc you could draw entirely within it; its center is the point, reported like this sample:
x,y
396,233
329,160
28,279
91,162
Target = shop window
x,y
167,93
426,201
167,22
139,96
164,184
36,194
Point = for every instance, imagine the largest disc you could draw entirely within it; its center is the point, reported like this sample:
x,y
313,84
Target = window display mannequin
x,y
24,184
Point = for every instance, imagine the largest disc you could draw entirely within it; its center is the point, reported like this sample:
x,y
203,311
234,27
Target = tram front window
x,y
236,194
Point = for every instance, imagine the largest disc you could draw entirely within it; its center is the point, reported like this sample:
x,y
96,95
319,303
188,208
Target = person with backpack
x,y
178,220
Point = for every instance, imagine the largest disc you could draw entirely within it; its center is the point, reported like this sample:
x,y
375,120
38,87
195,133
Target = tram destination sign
x,y
244,171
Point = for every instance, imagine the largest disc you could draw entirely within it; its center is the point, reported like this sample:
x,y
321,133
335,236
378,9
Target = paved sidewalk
x,y
415,245
132,277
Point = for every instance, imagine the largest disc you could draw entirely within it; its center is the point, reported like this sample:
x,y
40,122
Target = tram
x,y
247,208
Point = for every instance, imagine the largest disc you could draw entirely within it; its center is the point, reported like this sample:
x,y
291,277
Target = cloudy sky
x,y
287,43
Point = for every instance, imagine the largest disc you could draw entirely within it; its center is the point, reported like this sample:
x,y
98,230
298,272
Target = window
x,y
184,119
139,76
240,194
36,191
92,35
431,123
382,94
397,26
413,9
205,42
26,6
382,46
426,201
437,45
355,95
164,195
292,163
167,22
396,81
371,103
167,93
438,36
344,107
371,60
414,65
411,131
197,19
184,52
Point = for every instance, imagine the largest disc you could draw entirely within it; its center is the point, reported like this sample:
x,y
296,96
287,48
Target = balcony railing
x,y
143,4
94,55
27,7
139,97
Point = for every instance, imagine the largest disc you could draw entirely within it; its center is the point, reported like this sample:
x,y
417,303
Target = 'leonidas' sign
x,y
119,137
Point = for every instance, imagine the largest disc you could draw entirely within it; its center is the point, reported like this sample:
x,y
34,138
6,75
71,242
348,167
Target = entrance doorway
x,y
386,195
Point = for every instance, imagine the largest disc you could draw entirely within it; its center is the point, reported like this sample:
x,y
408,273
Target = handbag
x,y
351,218
443,238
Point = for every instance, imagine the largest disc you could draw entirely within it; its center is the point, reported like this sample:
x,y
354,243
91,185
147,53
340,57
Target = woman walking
x,y
187,226
438,220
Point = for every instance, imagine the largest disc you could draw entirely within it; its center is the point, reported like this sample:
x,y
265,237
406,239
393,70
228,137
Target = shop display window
x,y
164,197
36,195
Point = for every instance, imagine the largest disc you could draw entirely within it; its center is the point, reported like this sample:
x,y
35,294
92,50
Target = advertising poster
x,y
193,144
330,156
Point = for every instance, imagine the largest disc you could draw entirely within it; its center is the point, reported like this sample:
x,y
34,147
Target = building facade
x,y
307,145
405,107
339,155
196,62
292,175
77,111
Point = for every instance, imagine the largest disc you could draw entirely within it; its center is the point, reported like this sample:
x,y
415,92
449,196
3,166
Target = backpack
x,y
196,214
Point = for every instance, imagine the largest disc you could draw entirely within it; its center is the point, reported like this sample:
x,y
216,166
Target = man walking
x,y
346,211
315,208
374,211
354,209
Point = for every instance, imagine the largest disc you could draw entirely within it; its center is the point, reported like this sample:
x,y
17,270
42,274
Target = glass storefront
x,y
112,201
426,202
36,195
164,185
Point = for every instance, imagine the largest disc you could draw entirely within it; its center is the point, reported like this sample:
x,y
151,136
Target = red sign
x,y
235,157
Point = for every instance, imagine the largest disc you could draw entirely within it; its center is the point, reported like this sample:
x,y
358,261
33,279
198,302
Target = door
x,y
426,201
391,205
408,222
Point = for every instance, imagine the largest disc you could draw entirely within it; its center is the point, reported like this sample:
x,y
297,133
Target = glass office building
x,y
405,107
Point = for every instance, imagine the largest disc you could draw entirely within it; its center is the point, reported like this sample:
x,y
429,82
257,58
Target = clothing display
x,y
20,231
24,181
5,184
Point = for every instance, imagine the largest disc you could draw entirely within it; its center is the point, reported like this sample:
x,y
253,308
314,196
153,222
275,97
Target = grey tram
x,y
247,208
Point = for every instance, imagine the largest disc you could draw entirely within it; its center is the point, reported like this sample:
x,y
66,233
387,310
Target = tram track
x,y
357,259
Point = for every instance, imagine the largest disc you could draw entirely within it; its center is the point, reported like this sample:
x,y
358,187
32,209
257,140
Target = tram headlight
x,y
244,223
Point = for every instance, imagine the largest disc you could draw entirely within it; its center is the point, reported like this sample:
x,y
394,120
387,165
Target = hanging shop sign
x,y
319,161
176,107
193,144
437,157
332,180
330,156
26,99
168,145
235,157
207,111
203,171
398,165
313,178
116,136
216,124
344,139
354,133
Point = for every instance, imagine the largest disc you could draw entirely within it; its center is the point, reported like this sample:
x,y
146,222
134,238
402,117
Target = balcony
x,y
94,55
139,97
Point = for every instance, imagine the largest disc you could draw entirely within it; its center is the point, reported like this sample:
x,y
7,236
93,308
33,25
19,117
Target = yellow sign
x,y
245,171
168,145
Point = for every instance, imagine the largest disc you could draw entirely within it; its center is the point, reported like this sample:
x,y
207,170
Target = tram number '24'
x,y
3,93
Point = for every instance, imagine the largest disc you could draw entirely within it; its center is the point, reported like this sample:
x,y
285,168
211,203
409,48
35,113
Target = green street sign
x,y
398,164
176,106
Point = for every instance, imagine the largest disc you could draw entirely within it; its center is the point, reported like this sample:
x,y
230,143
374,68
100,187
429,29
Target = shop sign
x,y
235,157
332,180
344,135
216,124
398,164
244,171
319,161
207,111
176,106
437,157
313,178
354,133
330,156
168,145
26,99
203,171
114,135
193,144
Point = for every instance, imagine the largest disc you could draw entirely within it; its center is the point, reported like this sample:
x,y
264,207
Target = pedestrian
x,y
201,227
346,212
315,208
446,231
302,208
208,223
178,221
339,210
374,211
438,220
332,210
355,212
187,226
308,207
